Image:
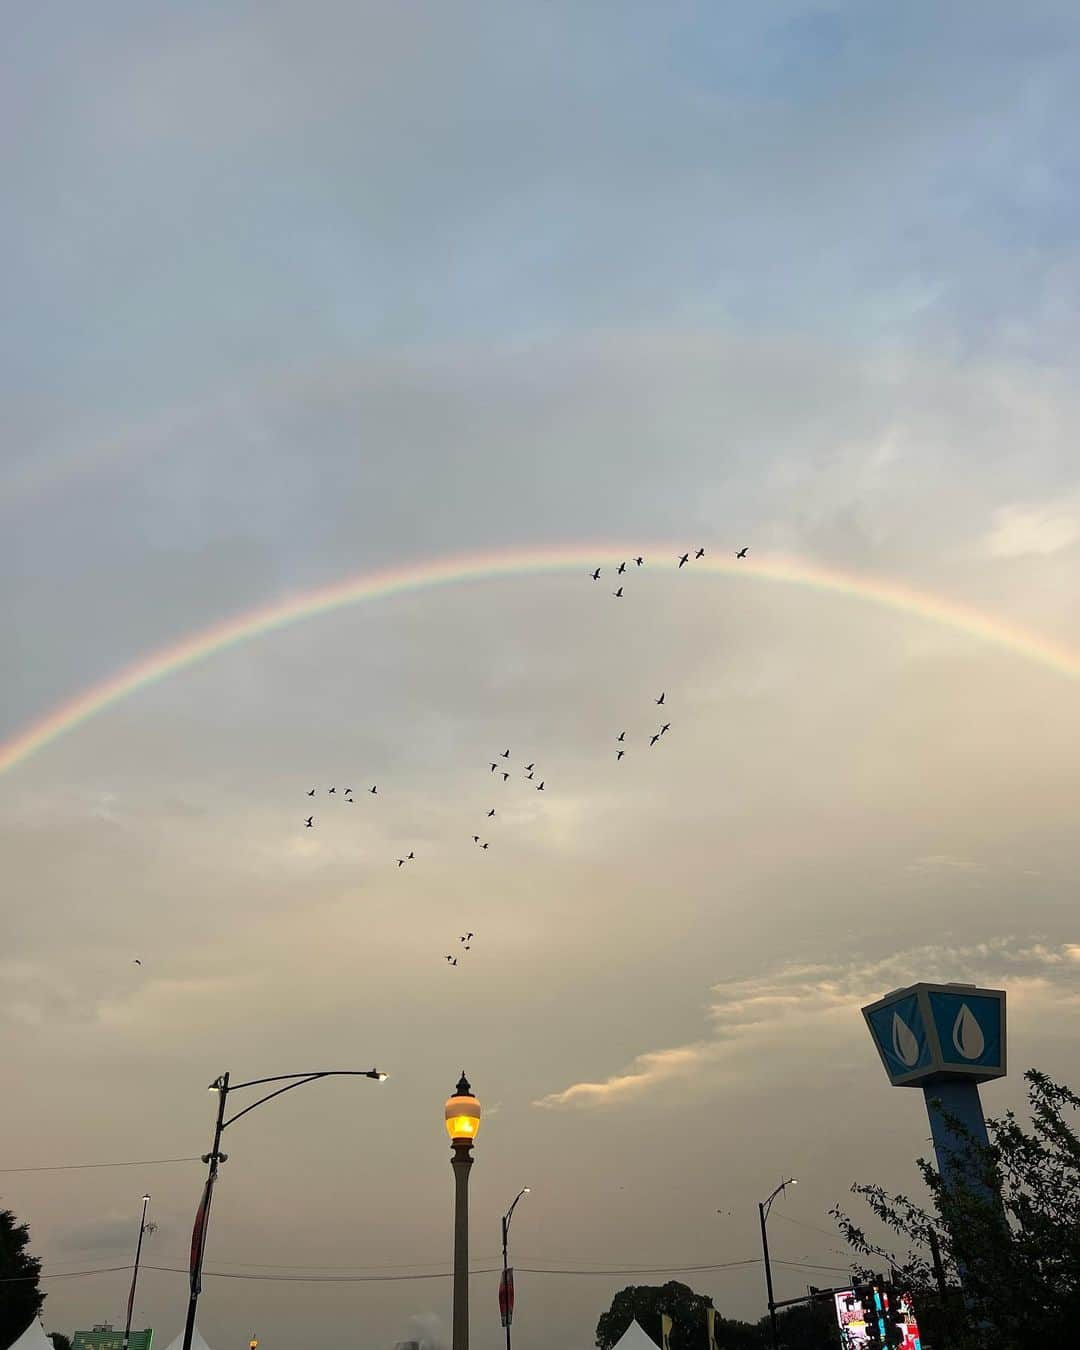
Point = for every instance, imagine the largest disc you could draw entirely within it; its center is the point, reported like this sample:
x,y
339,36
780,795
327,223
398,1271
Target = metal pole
x,y
768,1280
461,1162
506,1286
199,1239
135,1273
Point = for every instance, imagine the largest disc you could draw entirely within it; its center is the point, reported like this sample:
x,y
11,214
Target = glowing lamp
x,y
462,1113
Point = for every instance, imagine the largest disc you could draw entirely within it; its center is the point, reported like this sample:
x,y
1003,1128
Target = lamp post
x,y
144,1227
462,1123
763,1215
507,1291
222,1086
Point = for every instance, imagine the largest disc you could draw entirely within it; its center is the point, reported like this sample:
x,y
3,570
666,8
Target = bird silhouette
x,y
619,754
529,776
409,855
540,787
348,791
505,777
700,553
621,736
506,754
483,845
621,568
665,727
494,767
529,768
595,575
660,701
617,594
684,559
374,789
452,960
401,862
638,561
491,813
310,821
742,553
469,936
654,739
476,838
137,962
332,791
311,793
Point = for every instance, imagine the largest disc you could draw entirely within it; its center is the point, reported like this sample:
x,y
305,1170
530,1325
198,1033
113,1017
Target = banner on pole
x,y
506,1296
198,1238
665,1331
710,1319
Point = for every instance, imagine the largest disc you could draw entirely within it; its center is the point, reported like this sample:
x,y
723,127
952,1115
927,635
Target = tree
x,y
807,1326
646,1303
1017,1259
20,1297
59,1340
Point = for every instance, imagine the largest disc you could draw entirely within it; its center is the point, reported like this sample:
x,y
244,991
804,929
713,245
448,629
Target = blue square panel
x,y
901,1035
969,1029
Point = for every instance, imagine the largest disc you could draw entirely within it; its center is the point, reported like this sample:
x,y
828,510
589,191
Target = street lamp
x,y
144,1227
763,1214
506,1299
223,1087
462,1122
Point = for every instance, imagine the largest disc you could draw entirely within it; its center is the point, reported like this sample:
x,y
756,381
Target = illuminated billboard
x,y
891,1313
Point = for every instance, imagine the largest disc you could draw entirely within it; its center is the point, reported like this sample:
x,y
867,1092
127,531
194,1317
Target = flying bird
x,y
333,790
310,821
311,793
540,787
137,962
505,777
529,767
665,727
476,838
452,960
621,568
621,736
494,767
620,754
491,813
684,559
347,791
483,845
506,754
638,561
617,594
595,575
401,862
660,701
654,739
529,776
700,553
410,855
374,789
742,553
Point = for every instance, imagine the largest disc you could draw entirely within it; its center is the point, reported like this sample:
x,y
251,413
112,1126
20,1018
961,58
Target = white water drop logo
x,y
967,1034
904,1044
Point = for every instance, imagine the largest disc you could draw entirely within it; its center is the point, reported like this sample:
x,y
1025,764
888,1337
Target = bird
x,y
638,561
137,962
620,754
483,845
506,754
665,727
684,559
494,767
617,594
742,553
476,838
621,568
410,855
452,960
374,789
540,787
348,791
700,553
505,777
529,768
491,813
470,936
654,739
309,822
660,701
311,793
332,791
401,862
621,736
529,776
595,575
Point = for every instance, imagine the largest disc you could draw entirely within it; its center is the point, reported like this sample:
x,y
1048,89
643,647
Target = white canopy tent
x,y
633,1338
33,1338
197,1342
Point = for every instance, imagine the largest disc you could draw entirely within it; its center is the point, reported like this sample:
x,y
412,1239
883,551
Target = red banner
x,y
198,1239
506,1296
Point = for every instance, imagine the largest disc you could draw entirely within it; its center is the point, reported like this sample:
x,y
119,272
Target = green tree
x,y
646,1302
807,1326
1019,1259
59,1340
20,1297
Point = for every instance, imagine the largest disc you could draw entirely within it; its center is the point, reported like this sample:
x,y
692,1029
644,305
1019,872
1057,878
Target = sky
x,y
301,294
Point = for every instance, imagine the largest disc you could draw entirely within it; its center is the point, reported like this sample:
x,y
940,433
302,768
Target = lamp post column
x,y
774,1329
461,1162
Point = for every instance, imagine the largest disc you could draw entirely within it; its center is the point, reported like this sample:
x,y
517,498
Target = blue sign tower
x,y
946,1039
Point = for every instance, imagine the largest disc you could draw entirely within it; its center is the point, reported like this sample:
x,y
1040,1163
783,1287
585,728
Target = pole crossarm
x,y
291,1080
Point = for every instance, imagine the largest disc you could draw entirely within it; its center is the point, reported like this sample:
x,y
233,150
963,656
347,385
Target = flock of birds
x,y
500,765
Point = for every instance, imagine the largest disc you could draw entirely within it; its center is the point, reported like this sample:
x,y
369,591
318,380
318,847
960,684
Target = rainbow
x,y
463,569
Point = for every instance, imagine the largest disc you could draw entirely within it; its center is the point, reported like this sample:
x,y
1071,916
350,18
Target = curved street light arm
x,y
510,1212
766,1205
291,1080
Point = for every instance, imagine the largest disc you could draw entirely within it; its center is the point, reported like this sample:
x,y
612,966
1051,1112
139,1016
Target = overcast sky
x,y
296,291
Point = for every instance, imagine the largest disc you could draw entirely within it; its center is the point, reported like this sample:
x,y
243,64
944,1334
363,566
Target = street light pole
x,y
462,1122
763,1215
508,1312
222,1086
135,1272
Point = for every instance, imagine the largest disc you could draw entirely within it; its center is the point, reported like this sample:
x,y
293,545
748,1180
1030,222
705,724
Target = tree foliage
x,y
646,1303
20,1297
1018,1261
59,1340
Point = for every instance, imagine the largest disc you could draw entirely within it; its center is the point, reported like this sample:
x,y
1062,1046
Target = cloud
x,y
1036,529
787,1008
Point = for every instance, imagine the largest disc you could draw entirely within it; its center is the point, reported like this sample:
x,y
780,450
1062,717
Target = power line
x,y
803,1265
802,1224
72,1167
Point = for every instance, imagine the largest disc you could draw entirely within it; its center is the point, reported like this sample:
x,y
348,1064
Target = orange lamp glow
x,y
462,1113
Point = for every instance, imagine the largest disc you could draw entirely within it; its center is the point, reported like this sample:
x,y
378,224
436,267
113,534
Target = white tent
x,y
197,1342
33,1338
633,1338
